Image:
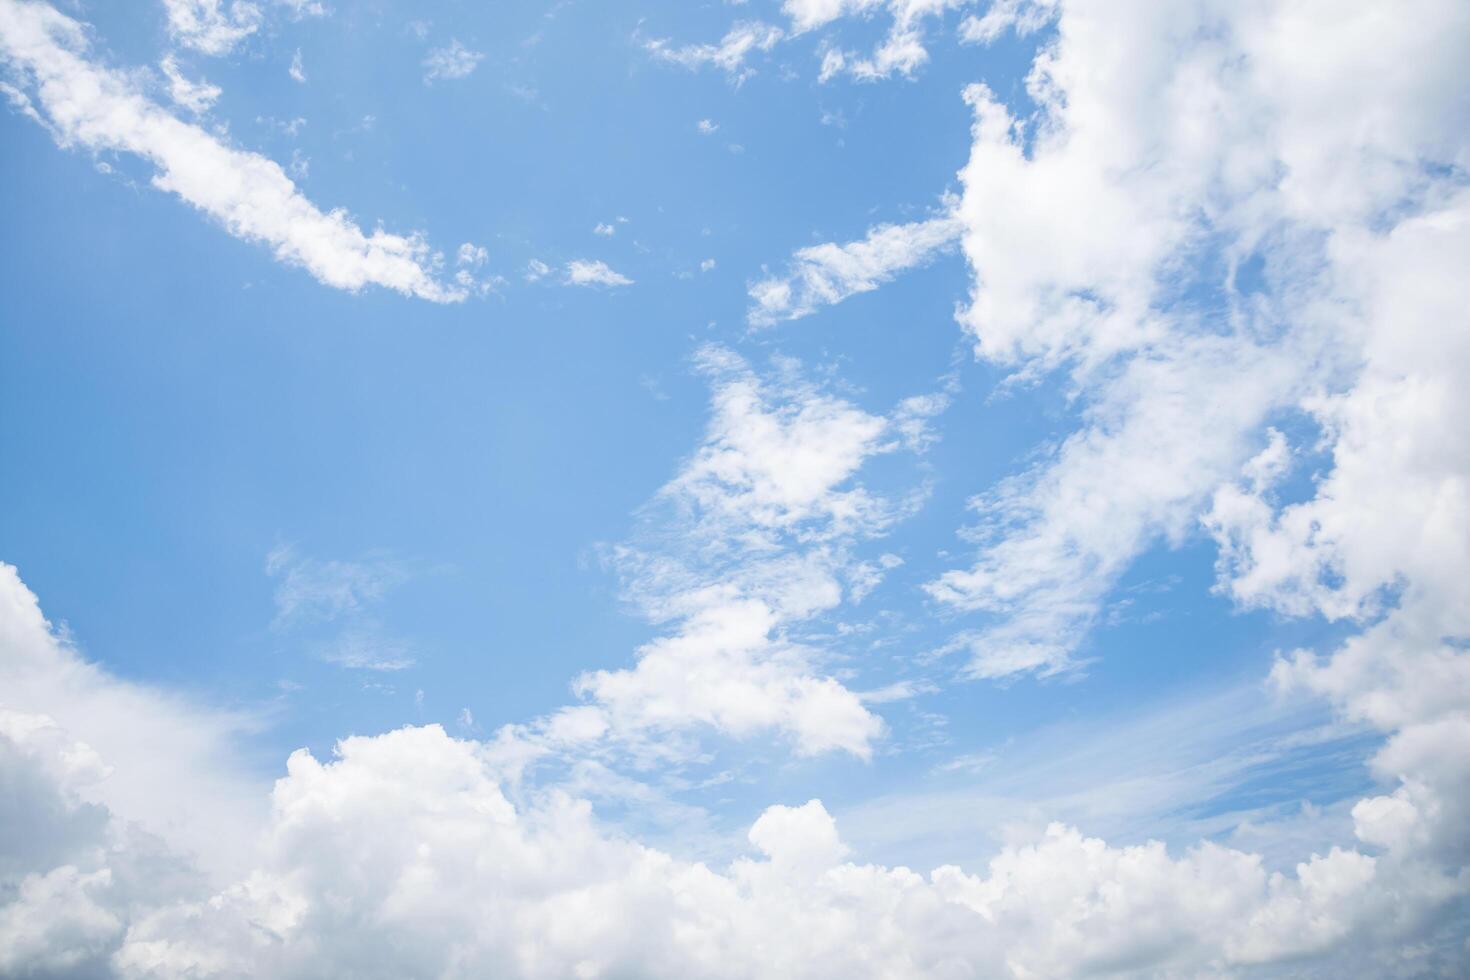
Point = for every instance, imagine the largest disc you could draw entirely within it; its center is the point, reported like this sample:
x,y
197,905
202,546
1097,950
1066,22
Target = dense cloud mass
x,y
1310,157
403,855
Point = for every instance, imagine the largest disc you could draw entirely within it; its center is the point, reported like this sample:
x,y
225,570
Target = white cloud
x,y
901,51
707,265
1022,16
729,55
1174,404
215,27
751,539
707,128
212,26
604,229
452,61
536,269
183,781
99,109
590,272
297,71
825,274
403,856
809,14
197,97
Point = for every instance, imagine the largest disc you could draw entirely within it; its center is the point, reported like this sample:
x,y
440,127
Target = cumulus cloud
x,y
86,105
403,855
1174,397
184,779
594,272
753,537
822,275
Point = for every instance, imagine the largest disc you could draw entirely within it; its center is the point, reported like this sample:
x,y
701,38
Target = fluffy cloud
x,y
1215,152
594,272
183,780
751,538
86,105
404,856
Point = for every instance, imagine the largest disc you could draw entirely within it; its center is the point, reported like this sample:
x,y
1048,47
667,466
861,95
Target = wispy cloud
x,y
452,61
729,54
822,275
84,104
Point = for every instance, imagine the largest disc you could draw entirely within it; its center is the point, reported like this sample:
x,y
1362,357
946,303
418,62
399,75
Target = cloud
x,y
590,272
901,51
729,55
604,229
750,540
297,71
452,61
403,855
212,26
215,27
821,275
1174,396
184,779
99,109
310,590
335,601
197,97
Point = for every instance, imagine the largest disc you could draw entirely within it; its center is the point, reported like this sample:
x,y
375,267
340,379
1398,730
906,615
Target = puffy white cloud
x,y
452,61
404,855
753,536
87,105
183,778
594,272
824,274
1211,152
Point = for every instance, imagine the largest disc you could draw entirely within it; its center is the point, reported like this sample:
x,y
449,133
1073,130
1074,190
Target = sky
x,y
803,488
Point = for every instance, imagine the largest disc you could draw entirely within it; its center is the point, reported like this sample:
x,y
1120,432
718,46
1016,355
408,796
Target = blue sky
x,y
1010,427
